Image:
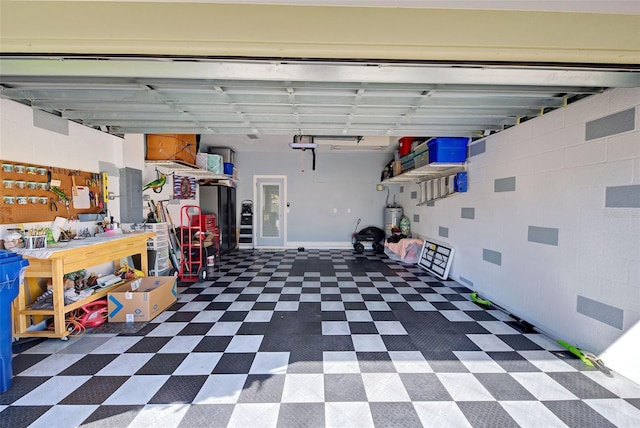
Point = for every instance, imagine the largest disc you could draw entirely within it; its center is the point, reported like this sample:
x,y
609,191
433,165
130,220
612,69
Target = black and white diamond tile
x,y
311,339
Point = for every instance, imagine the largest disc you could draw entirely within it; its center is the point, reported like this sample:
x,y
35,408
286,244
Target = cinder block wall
x,y
550,226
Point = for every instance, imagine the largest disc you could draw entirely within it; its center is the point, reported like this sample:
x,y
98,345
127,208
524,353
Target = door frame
x,y
284,202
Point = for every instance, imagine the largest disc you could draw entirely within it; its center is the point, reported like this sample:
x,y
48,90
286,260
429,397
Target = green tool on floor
x,y
587,358
526,326
477,299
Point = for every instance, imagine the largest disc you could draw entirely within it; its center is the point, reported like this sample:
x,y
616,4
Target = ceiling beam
x,y
215,71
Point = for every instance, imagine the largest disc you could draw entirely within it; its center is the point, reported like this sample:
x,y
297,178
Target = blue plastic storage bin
x,y
448,149
228,168
12,267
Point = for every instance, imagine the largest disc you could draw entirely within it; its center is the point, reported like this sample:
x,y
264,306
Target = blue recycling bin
x,y
12,267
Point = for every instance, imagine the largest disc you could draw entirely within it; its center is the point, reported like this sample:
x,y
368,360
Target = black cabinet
x,y
227,218
221,200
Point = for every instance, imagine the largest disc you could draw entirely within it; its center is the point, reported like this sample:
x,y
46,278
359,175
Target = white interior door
x,y
269,211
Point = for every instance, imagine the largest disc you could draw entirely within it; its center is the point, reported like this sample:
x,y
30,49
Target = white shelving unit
x,y
435,180
158,249
427,172
182,168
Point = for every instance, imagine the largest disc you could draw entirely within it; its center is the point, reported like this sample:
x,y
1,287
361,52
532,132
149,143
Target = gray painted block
x,y
466,281
507,184
610,125
414,195
543,235
444,232
110,168
468,213
601,311
50,122
416,218
491,256
478,148
623,197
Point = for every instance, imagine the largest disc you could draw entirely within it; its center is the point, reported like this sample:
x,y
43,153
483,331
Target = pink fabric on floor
x,y
401,246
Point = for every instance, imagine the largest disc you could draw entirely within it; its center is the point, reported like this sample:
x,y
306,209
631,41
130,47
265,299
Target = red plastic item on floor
x,y
94,313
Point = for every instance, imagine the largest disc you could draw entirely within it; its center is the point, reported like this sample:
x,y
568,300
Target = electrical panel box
x,y
131,195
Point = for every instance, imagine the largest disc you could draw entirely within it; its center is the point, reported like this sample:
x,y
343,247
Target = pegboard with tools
x,y
33,193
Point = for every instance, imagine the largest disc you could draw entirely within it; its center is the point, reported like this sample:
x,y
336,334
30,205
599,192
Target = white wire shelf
x,y
427,172
183,168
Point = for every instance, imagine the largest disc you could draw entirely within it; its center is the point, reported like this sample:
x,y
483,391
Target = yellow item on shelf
x,y
126,272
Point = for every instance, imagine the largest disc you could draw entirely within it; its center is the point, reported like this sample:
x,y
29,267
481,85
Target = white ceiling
x,y
248,98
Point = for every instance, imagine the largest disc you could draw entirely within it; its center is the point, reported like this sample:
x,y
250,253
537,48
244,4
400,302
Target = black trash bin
x,y
12,267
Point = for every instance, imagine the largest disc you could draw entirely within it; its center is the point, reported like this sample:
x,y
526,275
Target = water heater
x,y
392,217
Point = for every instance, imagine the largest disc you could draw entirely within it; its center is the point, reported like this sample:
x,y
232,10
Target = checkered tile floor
x,y
311,339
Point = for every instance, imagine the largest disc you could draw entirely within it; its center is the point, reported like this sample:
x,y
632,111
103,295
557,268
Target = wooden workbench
x,y
54,263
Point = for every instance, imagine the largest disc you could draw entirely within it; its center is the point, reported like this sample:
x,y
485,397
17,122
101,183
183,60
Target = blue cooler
x,y
12,268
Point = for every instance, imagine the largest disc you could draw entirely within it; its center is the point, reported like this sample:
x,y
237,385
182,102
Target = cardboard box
x,y
180,147
142,299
